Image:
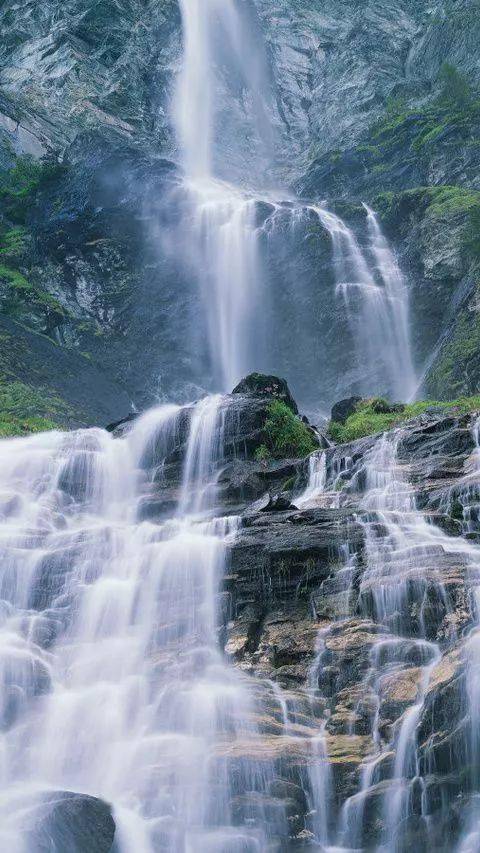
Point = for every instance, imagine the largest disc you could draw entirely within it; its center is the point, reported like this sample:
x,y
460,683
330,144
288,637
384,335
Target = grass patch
x,y
11,426
286,436
370,417
25,410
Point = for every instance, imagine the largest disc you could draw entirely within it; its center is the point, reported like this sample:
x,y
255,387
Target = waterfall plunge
x,y
225,232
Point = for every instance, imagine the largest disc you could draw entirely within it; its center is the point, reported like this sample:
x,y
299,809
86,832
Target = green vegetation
x,y
12,242
376,415
19,186
286,436
18,191
436,203
452,118
456,90
26,410
262,453
455,371
16,290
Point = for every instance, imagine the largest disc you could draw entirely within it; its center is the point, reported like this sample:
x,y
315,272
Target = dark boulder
x,y
119,427
260,385
77,823
344,408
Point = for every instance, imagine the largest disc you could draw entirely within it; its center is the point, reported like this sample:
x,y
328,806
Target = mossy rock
x,y
376,416
261,385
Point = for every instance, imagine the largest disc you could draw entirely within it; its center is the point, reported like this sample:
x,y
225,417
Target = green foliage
x,y
455,87
11,426
26,410
286,435
472,239
18,186
455,113
436,203
448,200
262,453
368,420
364,421
18,291
12,242
456,367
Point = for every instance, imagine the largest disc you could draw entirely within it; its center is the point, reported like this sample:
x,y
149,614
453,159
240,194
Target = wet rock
x,y
74,822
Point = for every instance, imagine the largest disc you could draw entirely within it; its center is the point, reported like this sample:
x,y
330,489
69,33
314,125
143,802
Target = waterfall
x,y
404,555
223,241
394,314
113,680
232,209
376,300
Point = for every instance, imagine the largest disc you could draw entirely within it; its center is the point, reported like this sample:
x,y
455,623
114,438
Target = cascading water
x,y
113,682
402,589
222,244
376,300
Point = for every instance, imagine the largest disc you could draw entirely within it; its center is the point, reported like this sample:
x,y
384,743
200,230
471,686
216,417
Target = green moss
x,y
20,291
367,420
286,436
456,369
24,409
456,89
451,200
439,205
456,111
428,135
20,184
15,278
12,242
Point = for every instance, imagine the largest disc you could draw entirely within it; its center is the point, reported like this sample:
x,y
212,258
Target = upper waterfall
x,y
234,223
220,51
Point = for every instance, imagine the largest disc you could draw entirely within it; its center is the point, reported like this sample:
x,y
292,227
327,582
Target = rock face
x,y
73,391
344,408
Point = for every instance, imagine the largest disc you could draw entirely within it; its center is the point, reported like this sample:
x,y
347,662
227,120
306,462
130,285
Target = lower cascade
x,y
187,666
